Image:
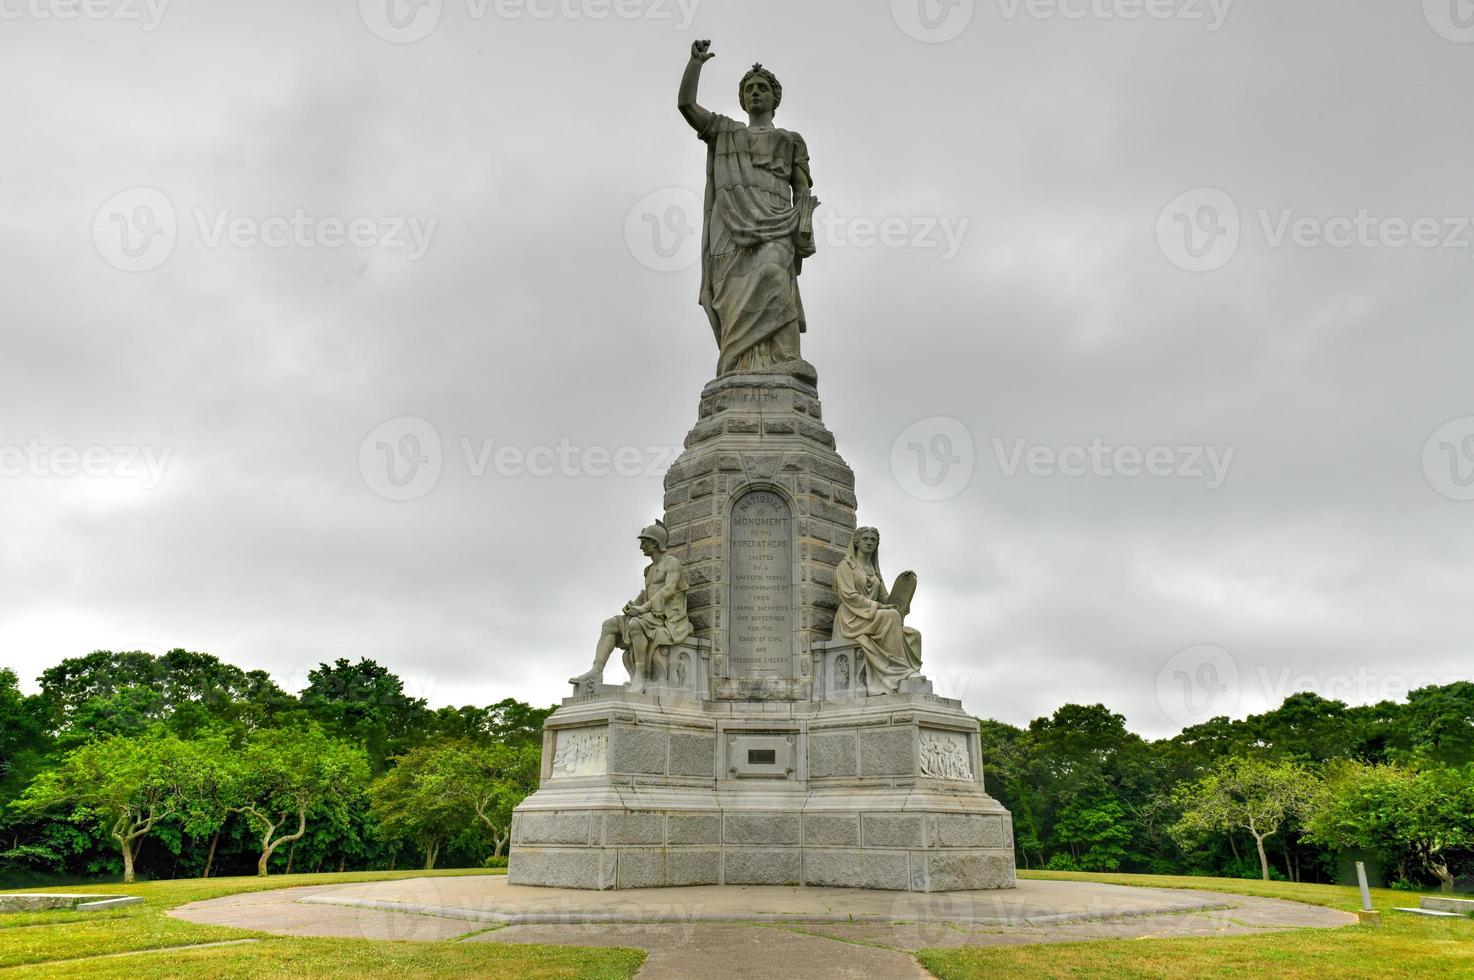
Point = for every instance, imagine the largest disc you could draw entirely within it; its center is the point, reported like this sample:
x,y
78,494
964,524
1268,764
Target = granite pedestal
x,y
758,757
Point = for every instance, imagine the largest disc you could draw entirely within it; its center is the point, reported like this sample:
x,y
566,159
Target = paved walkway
x,y
757,932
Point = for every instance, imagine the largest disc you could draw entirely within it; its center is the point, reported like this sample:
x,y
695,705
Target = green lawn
x,y
1404,946
61,943
76,944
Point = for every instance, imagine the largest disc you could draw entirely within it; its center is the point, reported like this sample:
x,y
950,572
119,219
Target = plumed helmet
x,y
656,532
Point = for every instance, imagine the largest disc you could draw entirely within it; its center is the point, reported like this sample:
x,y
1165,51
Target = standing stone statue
x,y
872,616
758,225
651,623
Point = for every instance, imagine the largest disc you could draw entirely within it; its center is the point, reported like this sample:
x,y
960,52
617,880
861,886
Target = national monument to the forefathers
x,y
776,728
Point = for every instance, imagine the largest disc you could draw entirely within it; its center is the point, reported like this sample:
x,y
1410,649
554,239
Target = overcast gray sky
x,y
247,243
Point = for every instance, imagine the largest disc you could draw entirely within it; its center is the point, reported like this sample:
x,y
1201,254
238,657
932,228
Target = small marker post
x,y
1366,915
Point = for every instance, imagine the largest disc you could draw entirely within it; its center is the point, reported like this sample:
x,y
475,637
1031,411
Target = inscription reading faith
x,y
760,638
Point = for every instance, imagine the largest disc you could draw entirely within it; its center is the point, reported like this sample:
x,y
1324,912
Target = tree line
x,y
1295,793
180,765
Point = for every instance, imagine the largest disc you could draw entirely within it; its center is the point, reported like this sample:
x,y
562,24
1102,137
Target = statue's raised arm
x,y
757,225
690,80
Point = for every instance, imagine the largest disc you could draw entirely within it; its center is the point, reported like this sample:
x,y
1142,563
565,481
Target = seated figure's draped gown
x,y
753,241
892,650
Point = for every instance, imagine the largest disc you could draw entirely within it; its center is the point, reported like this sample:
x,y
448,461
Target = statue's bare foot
x,y
585,679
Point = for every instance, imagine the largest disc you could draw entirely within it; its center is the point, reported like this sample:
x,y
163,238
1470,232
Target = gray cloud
x,y
1060,320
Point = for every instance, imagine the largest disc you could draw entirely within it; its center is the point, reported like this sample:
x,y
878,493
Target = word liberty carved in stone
x,y
581,752
760,630
944,755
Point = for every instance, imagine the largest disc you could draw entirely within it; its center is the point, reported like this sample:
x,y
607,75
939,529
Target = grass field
x,y
1404,946
67,944
71,944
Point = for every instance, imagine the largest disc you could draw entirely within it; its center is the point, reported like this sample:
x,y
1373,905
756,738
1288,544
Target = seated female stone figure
x,y
868,617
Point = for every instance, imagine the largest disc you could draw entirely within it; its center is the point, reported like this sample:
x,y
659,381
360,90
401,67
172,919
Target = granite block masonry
x,y
776,728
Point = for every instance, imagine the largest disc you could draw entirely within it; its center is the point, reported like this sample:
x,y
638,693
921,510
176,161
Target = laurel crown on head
x,y
758,69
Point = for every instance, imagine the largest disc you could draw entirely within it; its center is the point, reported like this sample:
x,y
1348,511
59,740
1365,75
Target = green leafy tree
x,y
1437,725
1096,833
286,773
411,802
23,738
1425,813
124,785
493,780
124,693
212,791
365,703
1248,793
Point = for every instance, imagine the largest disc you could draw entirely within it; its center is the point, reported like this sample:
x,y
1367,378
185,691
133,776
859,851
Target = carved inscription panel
x,y
760,631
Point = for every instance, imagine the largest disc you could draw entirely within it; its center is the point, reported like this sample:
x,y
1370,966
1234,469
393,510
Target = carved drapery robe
x,y
892,650
754,239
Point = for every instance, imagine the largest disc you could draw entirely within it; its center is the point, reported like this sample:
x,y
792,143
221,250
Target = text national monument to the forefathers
x,y
776,727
